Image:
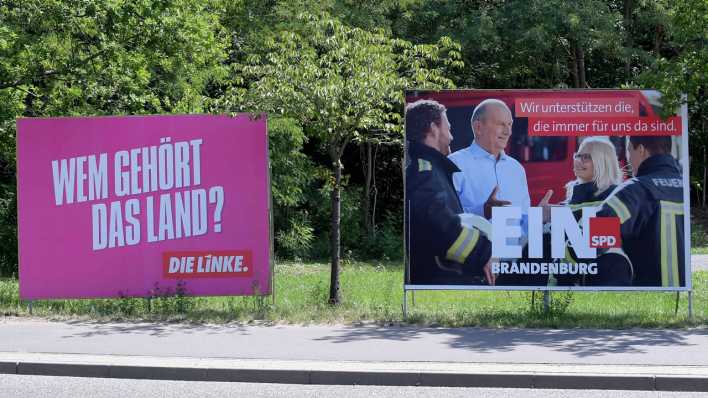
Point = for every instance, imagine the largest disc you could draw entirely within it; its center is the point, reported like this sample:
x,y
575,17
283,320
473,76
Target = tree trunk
x,y
705,175
374,195
334,293
580,60
627,19
368,164
658,38
574,63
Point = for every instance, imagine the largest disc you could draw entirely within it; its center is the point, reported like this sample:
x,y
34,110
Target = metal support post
x,y
678,295
690,305
29,307
413,298
272,285
546,300
405,303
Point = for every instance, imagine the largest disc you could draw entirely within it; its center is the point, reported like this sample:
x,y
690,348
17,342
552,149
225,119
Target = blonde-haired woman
x,y
597,172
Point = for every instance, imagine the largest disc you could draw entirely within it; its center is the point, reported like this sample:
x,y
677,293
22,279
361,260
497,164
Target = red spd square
x,y
605,232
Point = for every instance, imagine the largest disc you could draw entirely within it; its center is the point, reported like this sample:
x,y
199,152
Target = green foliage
x,y
699,229
295,241
8,234
385,244
340,84
97,57
292,175
699,237
685,73
559,303
91,57
8,216
681,73
372,292
128,306
168,301
291,169
329,73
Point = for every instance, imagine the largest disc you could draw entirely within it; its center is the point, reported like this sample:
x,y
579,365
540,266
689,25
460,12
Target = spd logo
x,y
605,232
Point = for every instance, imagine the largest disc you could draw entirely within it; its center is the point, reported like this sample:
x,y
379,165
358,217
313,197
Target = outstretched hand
x,y
489,276
546,207
492,201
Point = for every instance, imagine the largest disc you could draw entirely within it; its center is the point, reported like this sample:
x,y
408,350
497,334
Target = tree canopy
x,y
342,84
331,76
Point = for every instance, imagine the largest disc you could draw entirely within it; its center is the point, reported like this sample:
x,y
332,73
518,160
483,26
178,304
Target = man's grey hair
x,y
482,109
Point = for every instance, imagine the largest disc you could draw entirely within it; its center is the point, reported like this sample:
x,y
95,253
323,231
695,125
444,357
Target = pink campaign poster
x,y
120,206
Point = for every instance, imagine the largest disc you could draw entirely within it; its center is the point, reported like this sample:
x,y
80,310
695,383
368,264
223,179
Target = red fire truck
x,y
548,161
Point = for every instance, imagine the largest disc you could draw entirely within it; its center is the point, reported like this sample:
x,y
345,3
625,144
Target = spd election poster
x,y
551,189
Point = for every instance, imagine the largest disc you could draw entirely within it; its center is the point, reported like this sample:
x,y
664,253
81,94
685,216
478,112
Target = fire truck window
x,y
619,143
538,149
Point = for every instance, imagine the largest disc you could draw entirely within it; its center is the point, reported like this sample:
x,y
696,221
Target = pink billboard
x,y
131,206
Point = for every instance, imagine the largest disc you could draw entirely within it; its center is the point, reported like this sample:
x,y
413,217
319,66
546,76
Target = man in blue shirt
x,y
490,177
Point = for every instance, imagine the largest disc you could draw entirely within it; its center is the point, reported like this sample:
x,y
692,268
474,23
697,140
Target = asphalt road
x,y
69,387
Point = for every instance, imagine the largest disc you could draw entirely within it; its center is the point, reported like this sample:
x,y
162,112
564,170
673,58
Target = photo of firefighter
x,y
651,212
440,250
488,160
649,205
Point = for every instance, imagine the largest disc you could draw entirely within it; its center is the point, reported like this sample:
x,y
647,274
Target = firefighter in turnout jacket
x,y
440,251
651,213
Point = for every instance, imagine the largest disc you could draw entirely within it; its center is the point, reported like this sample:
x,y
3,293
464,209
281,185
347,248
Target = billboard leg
x,y
29,307
690,305
413,298
678,294
533,298
272,272
405,303
546,300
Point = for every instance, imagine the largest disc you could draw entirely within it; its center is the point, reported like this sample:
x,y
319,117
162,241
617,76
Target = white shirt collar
x,y
478,151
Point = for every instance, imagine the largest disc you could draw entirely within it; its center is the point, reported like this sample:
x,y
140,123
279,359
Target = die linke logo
x,y
605,232
207,264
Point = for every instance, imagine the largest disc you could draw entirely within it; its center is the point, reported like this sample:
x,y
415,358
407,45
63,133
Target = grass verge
x,y
373,292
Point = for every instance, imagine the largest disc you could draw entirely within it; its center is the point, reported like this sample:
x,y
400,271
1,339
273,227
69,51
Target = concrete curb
x,y
546,376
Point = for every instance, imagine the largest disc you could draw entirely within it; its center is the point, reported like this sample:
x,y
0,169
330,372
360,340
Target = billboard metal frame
x,y
683,160
271,260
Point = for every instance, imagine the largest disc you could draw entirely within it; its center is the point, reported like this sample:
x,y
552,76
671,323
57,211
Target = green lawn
x,y
373,292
